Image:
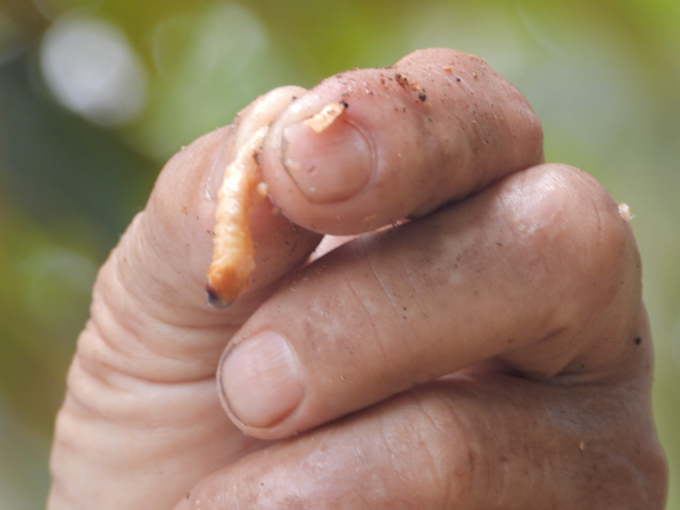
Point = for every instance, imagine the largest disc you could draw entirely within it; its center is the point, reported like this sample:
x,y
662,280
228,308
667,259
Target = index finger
x,y
401,141
538,274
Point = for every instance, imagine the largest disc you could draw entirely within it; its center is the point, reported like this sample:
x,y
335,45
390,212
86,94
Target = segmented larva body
x,y
233,251
242,188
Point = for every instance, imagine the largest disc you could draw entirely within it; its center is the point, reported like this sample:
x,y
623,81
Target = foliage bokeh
x,y
603,75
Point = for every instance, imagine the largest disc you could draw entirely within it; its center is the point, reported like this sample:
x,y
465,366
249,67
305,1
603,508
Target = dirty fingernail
x,y
330,166
259,380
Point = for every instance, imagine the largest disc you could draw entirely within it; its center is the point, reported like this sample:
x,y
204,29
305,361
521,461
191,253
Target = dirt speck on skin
x,y
624,211
404,82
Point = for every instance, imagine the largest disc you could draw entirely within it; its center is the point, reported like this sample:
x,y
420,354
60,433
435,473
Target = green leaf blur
x,y
603,75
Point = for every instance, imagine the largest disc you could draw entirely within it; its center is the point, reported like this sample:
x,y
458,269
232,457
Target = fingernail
x,y
330,166
259,380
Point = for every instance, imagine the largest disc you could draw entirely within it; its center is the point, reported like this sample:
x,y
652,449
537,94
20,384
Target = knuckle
x,y
634,480
652,473
572,244
567,223
447,452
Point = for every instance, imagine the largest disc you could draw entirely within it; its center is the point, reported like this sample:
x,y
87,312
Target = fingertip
x,y
404,141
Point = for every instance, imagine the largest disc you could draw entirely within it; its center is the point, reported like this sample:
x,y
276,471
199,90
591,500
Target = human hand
x,y
491,353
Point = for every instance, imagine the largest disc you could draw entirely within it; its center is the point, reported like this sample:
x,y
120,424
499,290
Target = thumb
x,y
141,421
157,274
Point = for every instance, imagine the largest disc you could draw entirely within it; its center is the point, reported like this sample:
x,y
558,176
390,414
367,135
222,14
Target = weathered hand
x,y
492,353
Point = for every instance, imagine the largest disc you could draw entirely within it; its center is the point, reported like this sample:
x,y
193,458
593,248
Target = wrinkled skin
x,y
491,353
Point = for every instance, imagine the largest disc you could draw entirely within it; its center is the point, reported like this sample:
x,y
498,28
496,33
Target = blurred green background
x,y
96,94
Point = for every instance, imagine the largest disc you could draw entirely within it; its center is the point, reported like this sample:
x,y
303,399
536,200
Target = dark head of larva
x,y
214,299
